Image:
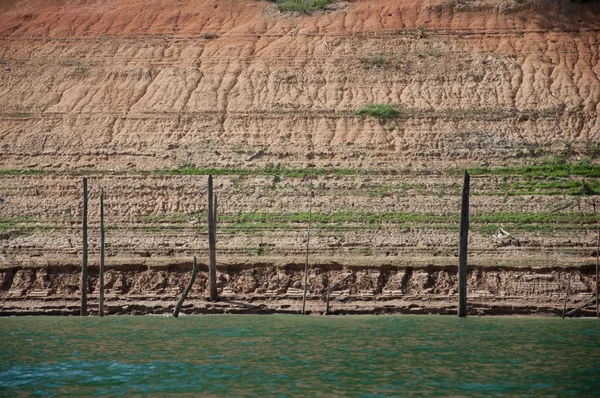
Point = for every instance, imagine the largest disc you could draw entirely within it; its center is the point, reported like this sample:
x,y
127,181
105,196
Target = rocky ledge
x,y
266,289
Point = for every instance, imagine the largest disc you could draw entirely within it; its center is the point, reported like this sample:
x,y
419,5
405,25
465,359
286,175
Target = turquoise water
x,y
288,355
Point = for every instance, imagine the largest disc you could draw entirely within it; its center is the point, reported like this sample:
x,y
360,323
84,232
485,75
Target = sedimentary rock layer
x,y
269,289
137,94
153,84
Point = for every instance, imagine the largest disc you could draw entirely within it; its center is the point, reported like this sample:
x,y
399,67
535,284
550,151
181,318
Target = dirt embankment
x,y
128,92
132,84
269,289
395,237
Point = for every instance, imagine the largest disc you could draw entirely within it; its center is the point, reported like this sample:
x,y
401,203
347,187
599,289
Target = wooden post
x,y
307,246
84,265
597,261
212,243
187,289
327,298
567,294
462,254
101,304
329,290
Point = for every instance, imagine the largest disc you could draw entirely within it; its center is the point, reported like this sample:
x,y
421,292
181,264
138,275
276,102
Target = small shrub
x,y
210,36
303,6
320,4
420,32
382,111
373,60
554,160
19,114
434,52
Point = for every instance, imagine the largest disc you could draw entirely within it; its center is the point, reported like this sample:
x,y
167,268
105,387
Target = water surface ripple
x,y
287,355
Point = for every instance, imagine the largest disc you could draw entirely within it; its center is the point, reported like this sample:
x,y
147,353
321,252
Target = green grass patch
x,y
19,114
18,172
7,225
343,221
303,6
543,179
399,218
381,111
541,186
549,169
536,218
488,223
20,225
348,217
16,220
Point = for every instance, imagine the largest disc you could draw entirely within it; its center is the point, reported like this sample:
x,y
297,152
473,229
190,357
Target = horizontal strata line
x,y
275,220
286,224
566,170
535,264
371,34
175,62
449,112
301,60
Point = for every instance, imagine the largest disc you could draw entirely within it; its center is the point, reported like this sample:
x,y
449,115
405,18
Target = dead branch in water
x,y
187,289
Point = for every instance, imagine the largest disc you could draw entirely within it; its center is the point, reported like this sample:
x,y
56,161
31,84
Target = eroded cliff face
x,y
138,84
129,92
269,289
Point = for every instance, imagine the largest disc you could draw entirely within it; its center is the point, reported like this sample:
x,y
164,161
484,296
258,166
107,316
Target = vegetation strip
x,y
381,111
541,186
581,168
549,168
254,222
350,217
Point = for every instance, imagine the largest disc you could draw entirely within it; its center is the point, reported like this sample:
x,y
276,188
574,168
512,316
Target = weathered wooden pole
x,y
567,294
187,289
462,254
212,243
101,304
215,213
84,265
327,298
597,261
330,289
310,196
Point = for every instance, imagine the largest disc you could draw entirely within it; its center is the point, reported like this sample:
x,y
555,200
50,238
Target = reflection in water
x,y
290,355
